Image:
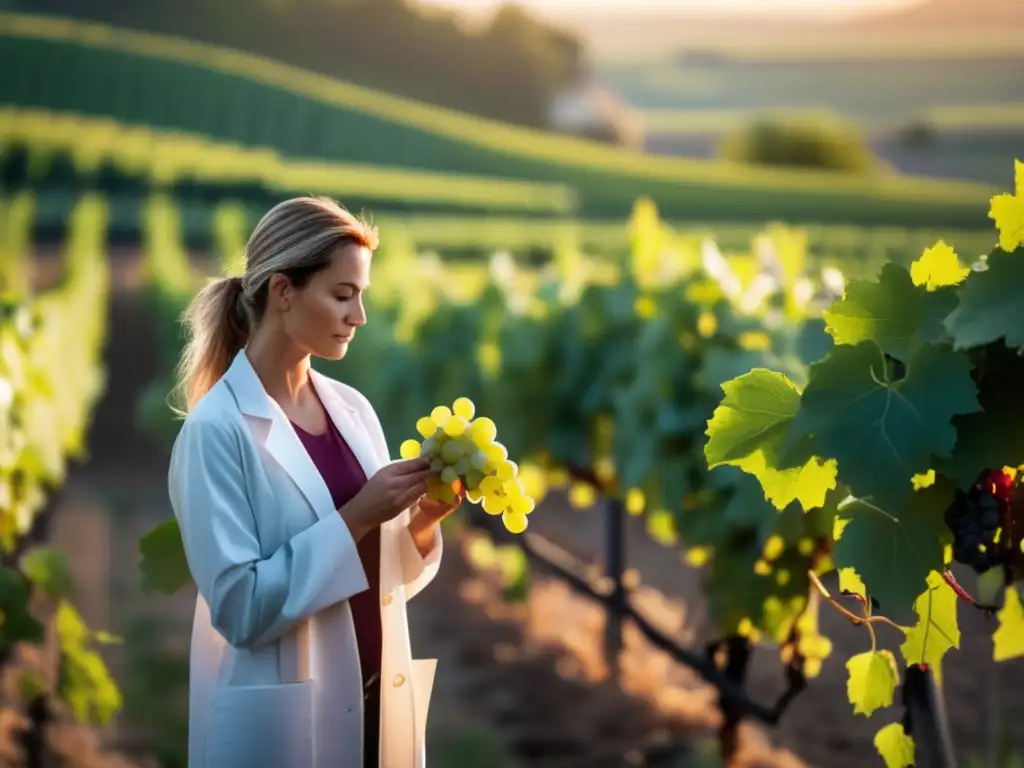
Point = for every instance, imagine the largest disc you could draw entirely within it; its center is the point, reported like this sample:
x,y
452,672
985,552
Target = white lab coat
x,y
275,679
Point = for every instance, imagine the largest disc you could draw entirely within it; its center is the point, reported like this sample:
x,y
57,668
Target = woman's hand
x,y
393,488
433,512
425,519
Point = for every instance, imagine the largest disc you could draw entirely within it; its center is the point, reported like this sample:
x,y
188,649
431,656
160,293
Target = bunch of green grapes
x,y
464,453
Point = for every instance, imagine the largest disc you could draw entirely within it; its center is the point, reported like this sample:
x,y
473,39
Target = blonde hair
x,y
297,238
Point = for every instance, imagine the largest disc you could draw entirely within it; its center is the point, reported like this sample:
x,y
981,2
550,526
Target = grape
x,y
494,505
410,449
426,426
441,414
455,426
505,470
462,467
483,431
495,452
437,465
464,407
473,479
430,448
521,505
514,522
449,475
478,460
451,451
975,518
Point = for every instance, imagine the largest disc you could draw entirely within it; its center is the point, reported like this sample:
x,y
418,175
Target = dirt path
x,y
984,699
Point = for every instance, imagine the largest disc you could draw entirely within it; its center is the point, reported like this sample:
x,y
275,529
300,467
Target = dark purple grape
x,y
974,517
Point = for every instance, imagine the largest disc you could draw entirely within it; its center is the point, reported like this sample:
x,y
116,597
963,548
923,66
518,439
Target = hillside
x,y
947,15
169,83
934,28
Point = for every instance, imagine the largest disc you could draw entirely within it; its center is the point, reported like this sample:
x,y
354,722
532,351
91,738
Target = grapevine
x,y
607,375
51,376
906,439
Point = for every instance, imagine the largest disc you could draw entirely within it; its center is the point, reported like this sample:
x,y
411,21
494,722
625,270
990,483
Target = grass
x,y
254,101
718,121
164,156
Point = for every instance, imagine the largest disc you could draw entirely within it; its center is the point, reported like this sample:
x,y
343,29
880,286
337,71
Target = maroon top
x,y
344,476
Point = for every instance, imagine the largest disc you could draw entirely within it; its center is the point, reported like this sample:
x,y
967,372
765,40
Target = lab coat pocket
x,y
422,671
262,726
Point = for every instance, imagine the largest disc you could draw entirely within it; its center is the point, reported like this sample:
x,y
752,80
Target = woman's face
x,y
322,317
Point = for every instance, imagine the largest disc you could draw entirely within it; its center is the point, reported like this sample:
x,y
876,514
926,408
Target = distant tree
x,y
510,69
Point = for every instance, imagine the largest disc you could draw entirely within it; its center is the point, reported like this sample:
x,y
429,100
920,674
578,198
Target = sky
x,y
760,7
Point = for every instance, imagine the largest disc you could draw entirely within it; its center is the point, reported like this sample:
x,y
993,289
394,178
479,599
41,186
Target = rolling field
x,y
227,96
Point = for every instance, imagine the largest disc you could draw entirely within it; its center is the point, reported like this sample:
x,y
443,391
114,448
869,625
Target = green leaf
x,y
937,630
748,430
872,681
991,438
86,685
891,311
990,307
47,569
18,625
1009,637
895,746
883,432
894,550
163,565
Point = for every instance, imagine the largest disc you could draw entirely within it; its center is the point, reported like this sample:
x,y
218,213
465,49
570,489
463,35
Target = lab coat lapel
x,y
346,419
279,439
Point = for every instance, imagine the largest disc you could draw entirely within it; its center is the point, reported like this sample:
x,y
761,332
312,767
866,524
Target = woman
x,y
304,539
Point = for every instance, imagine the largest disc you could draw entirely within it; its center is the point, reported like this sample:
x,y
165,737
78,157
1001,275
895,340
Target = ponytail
x,y
297,238
216,326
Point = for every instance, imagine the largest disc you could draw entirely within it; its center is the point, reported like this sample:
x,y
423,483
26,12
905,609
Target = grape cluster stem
x,y
867,619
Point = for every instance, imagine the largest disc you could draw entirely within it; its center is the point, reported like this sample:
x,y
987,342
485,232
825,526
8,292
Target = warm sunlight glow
x,y
759,7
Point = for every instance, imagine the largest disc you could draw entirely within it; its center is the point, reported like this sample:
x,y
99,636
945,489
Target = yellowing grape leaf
x,y
1008,213
891,311
938,267
937,630
747,431
872,681
893,550
990,307
1009,637
895,746
884,432
849,581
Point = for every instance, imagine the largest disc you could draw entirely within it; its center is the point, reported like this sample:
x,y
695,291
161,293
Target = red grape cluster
x,y
981,520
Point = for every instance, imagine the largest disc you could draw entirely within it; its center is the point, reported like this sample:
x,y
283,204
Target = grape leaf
x,y
938,267
872,681
48,569
1009,637
990,307
993,437
747,431
163,564
18,625
882,433
937,630
893,312
1007,211
895,746
894,550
